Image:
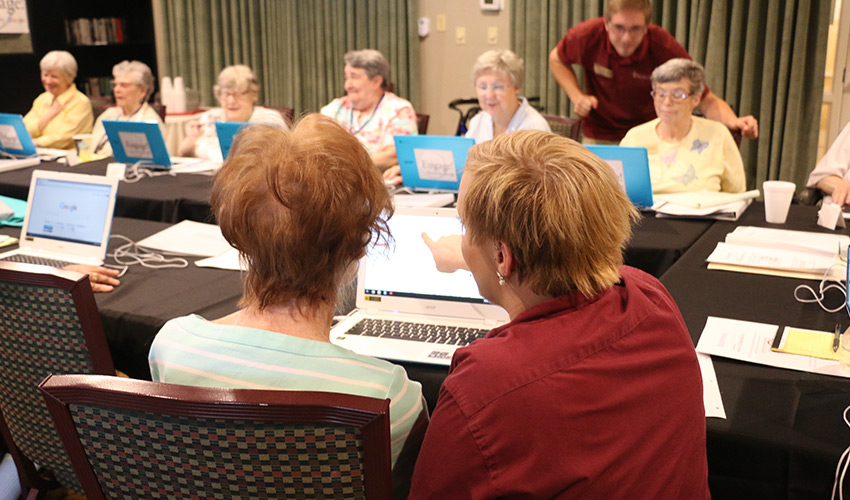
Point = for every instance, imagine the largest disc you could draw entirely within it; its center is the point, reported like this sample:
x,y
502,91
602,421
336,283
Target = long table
x,y
784,432
166,198
135,311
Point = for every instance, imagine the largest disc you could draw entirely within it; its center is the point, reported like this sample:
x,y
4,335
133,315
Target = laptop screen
x,y
70,211
407,269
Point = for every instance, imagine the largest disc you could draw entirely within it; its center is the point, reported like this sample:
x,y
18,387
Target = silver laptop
x,y
68,219
399,289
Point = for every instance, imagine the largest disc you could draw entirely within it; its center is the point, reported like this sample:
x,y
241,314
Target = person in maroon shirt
x,y
593,389
618,53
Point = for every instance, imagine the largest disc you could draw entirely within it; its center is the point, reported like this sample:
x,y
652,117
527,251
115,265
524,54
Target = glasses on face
x,y
620,30
122,85
235,94
677,95
497,88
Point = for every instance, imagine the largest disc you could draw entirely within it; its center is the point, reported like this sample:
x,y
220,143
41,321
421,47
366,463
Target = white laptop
x,y
68,219
402,284
16,147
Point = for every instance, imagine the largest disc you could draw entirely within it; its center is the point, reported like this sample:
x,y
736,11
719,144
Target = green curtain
x,y
765,58
295,47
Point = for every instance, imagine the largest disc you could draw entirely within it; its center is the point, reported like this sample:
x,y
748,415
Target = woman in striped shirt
x,y
300,206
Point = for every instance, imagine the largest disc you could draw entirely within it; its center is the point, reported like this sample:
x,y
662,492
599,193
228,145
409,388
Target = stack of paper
x,y
704,204
780,252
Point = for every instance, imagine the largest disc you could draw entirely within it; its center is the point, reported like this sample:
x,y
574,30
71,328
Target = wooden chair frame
x,y
369,414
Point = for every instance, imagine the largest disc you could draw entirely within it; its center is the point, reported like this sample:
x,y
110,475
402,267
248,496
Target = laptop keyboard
x,y
32,259
420,332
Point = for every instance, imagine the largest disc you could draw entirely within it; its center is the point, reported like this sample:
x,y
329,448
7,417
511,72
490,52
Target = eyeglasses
x,y
224,94
620,30
676,95
497,88
122,85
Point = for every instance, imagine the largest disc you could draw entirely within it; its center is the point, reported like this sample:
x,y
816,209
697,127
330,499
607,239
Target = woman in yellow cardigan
x,y
62,110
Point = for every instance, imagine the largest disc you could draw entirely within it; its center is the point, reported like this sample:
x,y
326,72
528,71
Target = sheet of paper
x,y
804,342
180,165
188,238
706,199
836,273
801,241
771,258
749,341
710,390
228,260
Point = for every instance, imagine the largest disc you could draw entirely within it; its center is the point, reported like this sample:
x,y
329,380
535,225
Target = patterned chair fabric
x,y
43,330
148,448
564,126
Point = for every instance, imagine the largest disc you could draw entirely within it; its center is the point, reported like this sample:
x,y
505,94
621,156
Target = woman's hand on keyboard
x,y
102,279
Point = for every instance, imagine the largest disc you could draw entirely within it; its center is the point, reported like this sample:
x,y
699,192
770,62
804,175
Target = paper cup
x,y
777,200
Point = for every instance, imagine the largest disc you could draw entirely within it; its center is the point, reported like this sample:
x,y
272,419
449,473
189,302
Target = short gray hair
x,y
372,62
676,69
500,61
236,77
61,60
142,75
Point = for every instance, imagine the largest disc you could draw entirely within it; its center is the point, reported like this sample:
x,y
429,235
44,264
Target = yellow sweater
x,y
75,118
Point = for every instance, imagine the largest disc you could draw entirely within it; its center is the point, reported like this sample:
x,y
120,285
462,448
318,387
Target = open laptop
x,y
402,284
226,131
432,162
16,147
68,219
142,143
632,168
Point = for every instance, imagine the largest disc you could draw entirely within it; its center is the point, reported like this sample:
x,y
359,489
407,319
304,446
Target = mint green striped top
x,y
192,351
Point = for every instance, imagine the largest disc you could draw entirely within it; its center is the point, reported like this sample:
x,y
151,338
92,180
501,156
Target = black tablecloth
x,y
147,298
784,430
166,198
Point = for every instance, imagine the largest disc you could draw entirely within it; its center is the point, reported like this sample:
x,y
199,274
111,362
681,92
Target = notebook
x,y
68,218
432,162
632,168
142,143
402,284
16,147
226,131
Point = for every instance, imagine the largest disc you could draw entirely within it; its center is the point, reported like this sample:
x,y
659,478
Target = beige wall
x,y
446,66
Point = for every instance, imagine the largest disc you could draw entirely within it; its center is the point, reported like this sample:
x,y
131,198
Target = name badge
x,y
602,71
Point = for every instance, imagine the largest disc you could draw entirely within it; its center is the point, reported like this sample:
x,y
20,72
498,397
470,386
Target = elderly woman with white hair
x,y
237,90
132,85
369,111
686,153
62,110
498,76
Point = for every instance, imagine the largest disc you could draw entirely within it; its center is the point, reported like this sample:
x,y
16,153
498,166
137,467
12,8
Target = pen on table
x,y
835,341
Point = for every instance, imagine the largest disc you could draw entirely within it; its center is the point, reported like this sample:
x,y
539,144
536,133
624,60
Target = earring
x,y
502,281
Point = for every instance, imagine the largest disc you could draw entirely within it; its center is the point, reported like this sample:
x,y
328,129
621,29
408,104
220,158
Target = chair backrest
x,y
422,123
159,108
49,323
564,126
465,115
127,437
287,113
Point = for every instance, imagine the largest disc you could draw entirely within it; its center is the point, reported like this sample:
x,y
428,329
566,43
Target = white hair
x,y
61,60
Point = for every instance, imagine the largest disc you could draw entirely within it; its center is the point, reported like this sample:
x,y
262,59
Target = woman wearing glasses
x,y
237,91
498,76
132,84
686,153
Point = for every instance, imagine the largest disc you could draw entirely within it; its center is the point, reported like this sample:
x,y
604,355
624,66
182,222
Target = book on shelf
x,y
96,31
98,86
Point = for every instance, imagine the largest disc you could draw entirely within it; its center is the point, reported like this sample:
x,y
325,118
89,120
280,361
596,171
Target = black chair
x,y
422,123
466,113
50,324
564,126
131,438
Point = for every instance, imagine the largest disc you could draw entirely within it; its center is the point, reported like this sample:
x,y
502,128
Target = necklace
x,y
351,117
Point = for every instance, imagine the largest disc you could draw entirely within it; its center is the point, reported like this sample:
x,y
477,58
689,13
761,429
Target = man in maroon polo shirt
x,y
618,53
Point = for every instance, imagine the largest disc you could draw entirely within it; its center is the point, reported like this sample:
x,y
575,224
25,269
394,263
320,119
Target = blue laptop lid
x,y
432,162
137,142
226,131
632,168
14,138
